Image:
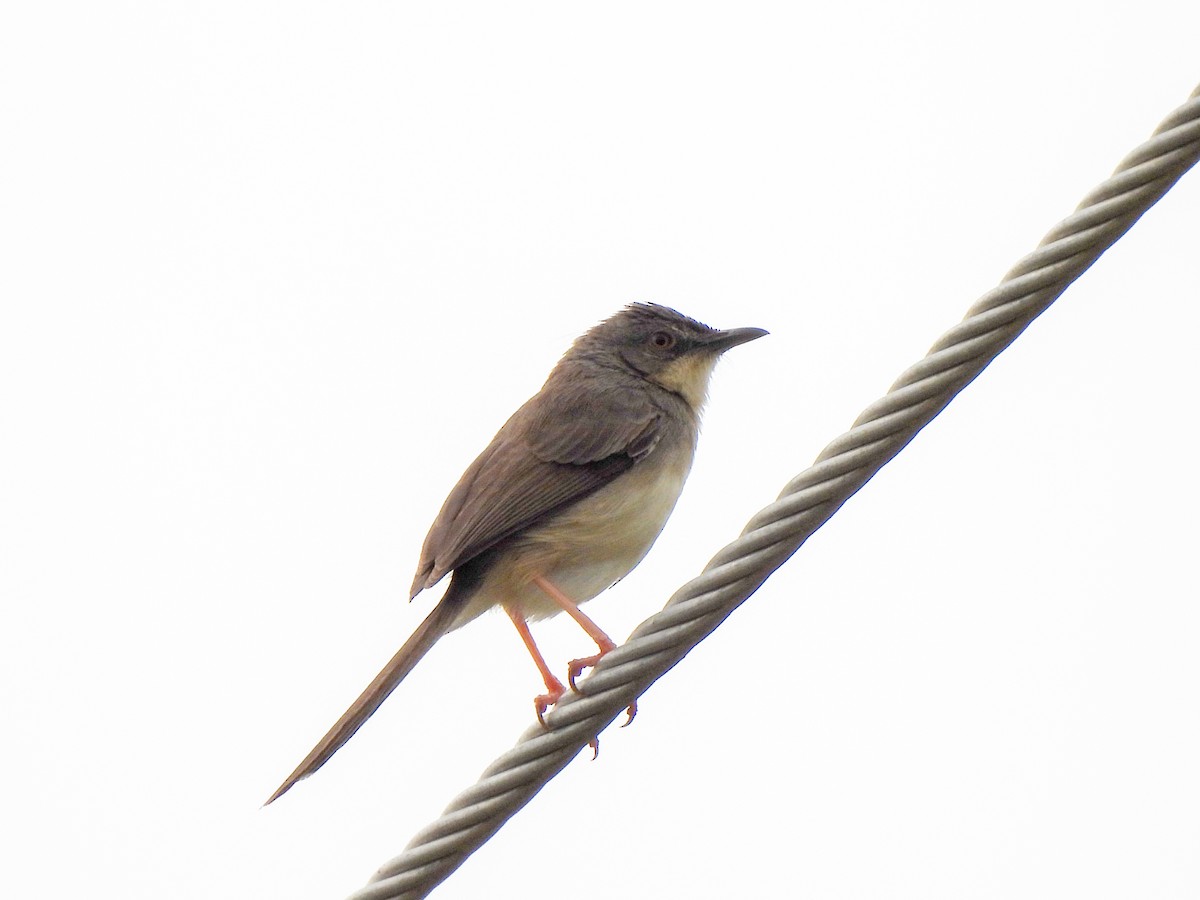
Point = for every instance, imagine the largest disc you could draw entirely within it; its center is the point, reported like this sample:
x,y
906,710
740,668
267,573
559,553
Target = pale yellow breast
x,y
620,522
591,545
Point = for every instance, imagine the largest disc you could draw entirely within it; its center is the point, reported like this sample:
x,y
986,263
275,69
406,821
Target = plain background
x,y
274,273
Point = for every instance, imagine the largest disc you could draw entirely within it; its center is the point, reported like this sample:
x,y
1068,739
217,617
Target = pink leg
x,y
603,641
554,687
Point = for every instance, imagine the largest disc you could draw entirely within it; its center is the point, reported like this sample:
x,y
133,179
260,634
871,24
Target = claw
x,y
543,702
576,666
630,713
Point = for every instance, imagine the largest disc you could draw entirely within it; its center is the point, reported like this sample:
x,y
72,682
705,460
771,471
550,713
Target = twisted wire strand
x,y
806,503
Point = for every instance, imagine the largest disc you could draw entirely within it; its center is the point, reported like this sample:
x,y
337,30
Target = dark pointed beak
x,y
723,340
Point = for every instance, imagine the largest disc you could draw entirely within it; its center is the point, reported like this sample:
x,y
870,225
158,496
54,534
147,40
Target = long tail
x,y
436,624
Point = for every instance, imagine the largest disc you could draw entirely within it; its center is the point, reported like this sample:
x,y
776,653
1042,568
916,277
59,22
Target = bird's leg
x,y
554,687
603,641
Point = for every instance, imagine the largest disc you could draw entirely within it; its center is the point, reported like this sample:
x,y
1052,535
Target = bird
x,y
566,500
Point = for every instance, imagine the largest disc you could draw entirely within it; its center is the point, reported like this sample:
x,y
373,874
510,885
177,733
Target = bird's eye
x,y
662,340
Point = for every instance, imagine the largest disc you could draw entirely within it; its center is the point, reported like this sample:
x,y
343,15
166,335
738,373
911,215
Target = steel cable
x,y
777,531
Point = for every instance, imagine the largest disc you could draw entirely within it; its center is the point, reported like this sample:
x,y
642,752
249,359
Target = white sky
x,y
274,273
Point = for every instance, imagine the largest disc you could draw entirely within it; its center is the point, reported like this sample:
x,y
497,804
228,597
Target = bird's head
x,y
663,346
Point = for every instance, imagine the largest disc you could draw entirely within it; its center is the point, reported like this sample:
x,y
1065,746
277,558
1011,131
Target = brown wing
x,y
565,443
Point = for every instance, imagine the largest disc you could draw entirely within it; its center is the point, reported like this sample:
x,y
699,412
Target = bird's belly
x,y
589,546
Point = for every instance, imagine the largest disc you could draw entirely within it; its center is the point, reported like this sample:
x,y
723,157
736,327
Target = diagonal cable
x,y
805,504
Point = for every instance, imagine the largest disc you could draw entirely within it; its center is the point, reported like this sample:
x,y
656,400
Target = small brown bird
x,y
567,498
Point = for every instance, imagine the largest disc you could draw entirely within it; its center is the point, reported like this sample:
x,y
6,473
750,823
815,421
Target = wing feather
x,y
567,442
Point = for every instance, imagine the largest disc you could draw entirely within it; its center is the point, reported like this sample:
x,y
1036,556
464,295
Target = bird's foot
x,y
576,666
575,669
542,702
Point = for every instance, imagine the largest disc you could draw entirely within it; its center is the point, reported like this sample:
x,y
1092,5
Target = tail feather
x,y
436,624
